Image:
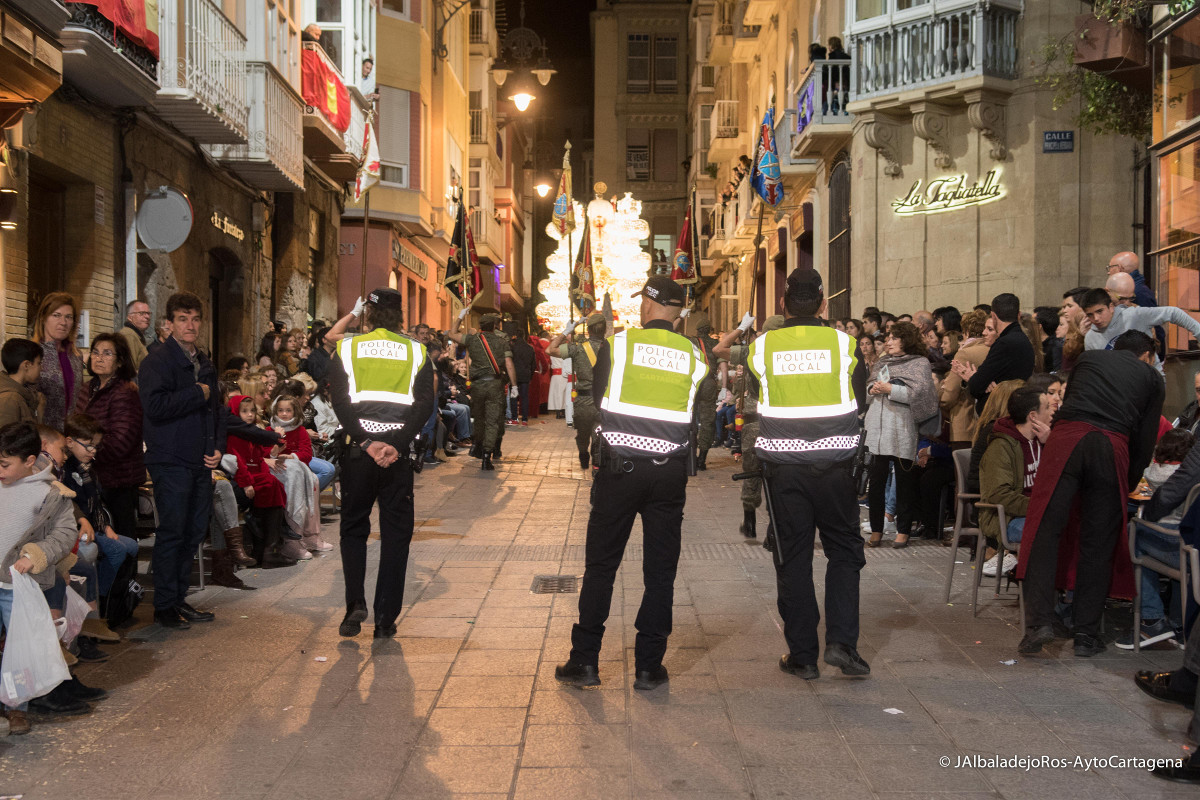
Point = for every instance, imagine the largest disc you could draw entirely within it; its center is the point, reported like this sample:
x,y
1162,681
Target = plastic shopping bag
x,y
33,662
76,612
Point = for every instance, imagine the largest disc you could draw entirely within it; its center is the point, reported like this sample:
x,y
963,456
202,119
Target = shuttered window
x,y
395,128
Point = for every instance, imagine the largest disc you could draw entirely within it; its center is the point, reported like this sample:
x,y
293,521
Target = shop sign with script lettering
x,y
949,194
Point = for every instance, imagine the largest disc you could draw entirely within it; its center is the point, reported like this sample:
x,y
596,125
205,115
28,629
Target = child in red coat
x,y
301,482
264,489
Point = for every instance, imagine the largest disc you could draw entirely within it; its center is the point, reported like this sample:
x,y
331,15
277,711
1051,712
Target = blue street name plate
x,y
1058,141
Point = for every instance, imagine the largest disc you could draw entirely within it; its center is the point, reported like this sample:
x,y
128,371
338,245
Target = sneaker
x,y
989,566
1159,630
889,526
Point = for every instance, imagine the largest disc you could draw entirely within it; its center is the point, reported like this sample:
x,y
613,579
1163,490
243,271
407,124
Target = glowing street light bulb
x,y
522,100
543,189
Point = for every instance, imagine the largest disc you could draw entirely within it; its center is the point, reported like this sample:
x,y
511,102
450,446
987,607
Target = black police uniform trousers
x,y
805,499
657,492
364,482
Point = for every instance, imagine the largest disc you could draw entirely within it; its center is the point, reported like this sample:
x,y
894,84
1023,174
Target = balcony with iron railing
x,y
483,32
483,126
489,235
343,165
725,143
821,119
720,33
322,138
745,36
946,42
202,72
273,157
104,63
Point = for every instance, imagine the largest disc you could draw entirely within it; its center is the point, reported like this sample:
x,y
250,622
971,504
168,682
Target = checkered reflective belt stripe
x,y
806,445
371,426
646,443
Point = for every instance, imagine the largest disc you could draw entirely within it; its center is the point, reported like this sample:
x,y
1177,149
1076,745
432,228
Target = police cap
x,y
384,297
663,291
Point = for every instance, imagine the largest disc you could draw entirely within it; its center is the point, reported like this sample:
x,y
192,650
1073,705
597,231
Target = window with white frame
x,y
395,132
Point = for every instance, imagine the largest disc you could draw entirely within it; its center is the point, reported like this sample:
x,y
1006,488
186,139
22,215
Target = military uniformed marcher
x,y
736,355
714,381
808,435
585,356
381,387
648,395
491,365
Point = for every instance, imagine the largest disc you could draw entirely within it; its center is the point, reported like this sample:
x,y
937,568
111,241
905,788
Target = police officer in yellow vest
x,y
381,387
649,391
808,434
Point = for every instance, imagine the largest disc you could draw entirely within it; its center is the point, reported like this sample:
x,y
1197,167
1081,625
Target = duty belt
x,y
648,444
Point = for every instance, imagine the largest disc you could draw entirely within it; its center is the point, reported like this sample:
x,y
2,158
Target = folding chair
x,y
963,504
1141,562
1005,547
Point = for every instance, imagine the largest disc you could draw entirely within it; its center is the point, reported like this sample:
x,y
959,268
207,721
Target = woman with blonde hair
x,y
995,408
1072,336
54,328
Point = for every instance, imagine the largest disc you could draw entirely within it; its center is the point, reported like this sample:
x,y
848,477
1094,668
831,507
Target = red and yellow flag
x,y
322,88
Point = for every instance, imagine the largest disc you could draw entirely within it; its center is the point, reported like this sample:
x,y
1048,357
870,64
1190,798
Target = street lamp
x,y
542,188
520,48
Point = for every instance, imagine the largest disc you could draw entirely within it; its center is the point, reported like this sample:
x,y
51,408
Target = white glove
x,y
358,307
684,314
721,395
463,313
514,393
747,322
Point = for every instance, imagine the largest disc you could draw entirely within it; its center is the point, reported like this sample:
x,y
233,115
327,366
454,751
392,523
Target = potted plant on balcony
x,y
1101,63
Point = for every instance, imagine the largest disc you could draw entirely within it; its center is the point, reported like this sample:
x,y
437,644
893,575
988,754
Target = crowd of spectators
x,y
246,453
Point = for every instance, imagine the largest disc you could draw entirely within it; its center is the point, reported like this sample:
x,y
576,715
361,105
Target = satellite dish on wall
x,y
164,219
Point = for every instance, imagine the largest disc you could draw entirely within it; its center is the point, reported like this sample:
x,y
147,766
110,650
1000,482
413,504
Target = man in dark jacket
x,y
184,430
1103,439
1011,357
523,357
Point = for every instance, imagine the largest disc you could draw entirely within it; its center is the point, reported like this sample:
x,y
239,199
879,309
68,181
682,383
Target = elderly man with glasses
x,y
1128,263
137,322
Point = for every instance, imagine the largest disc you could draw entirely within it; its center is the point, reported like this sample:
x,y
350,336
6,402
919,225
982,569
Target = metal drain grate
x,y
554,584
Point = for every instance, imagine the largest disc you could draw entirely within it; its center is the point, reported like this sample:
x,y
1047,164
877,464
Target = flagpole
x,y
571,262
758,238
366,228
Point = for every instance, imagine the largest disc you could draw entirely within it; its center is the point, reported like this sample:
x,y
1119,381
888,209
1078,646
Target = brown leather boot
x,y
18,722
222,571
237,548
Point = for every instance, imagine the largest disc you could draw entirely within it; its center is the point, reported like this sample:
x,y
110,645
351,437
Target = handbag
x,y
33,662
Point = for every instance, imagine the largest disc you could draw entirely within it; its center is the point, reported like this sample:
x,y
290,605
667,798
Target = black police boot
x,y
749,523
702,461
496,450
487,462
476,450
584,459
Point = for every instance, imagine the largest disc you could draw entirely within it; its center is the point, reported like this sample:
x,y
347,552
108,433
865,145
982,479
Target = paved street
x,y
269,702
